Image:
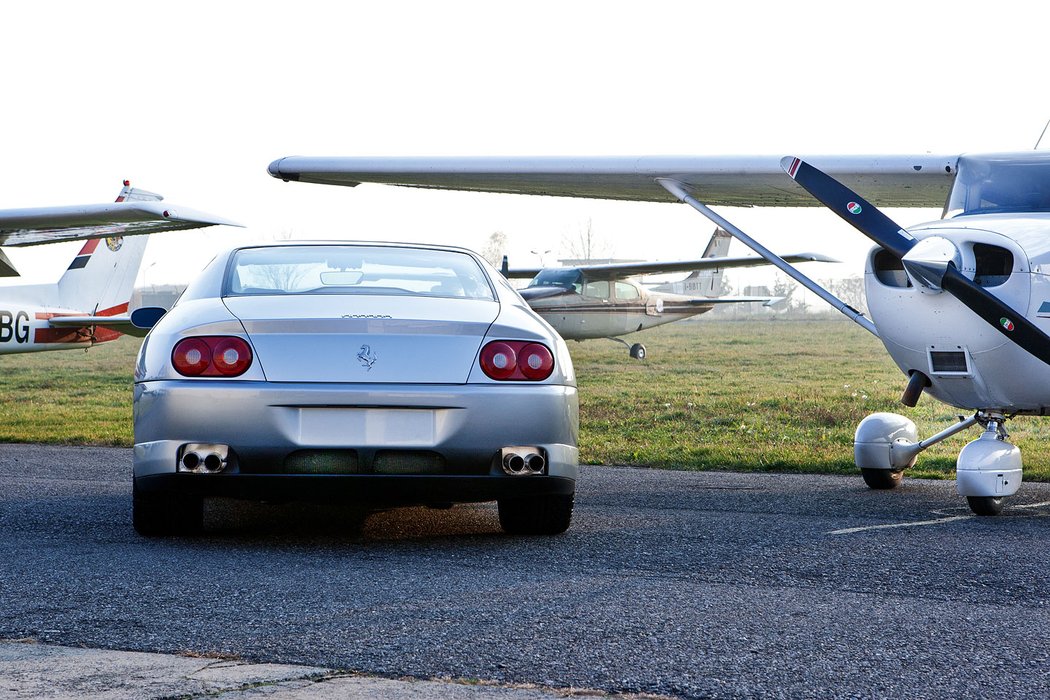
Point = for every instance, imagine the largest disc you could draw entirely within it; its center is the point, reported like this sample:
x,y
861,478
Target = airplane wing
x,y
20,227
707,301
615,271
622,270
741,181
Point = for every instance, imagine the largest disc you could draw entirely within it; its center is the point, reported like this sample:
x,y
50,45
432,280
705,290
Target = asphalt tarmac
x,y
682,584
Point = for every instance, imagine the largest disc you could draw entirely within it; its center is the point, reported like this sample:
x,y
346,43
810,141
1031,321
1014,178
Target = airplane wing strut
x,y
683,194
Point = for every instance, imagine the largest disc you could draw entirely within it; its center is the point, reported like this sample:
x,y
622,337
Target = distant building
x,y
160,295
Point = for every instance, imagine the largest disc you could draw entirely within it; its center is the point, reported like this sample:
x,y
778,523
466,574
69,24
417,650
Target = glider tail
x,y
709,282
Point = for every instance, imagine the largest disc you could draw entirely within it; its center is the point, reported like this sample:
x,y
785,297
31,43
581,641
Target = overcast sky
x,y
194,99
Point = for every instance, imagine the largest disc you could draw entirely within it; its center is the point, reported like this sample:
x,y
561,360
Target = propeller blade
x,y
991,308
855,210
881,229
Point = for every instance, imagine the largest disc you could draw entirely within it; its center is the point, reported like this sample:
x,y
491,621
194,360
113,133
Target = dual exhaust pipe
x,y
203,458
521,461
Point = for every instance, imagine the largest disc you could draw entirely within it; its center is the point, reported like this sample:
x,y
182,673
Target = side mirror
x,y
147,316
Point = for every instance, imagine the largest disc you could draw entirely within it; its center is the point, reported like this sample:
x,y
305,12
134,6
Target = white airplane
x,y
601,301
961,304
89,303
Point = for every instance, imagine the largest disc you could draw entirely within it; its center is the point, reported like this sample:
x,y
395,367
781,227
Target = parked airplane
x,y
962,304
601,301
89,303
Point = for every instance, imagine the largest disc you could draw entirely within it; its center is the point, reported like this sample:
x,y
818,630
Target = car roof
x,y
345,242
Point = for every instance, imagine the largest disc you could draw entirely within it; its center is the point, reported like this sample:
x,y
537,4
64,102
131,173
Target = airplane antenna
x,y
1036,147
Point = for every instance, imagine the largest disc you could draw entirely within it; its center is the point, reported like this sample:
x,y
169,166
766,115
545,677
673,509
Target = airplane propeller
x,y
932,264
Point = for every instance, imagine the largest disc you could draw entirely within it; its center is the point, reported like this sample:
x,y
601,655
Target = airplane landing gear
x,y
637,351
985,505
882,479
987,470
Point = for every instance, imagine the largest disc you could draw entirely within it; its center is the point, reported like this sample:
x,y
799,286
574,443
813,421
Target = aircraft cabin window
x,y
596,290
993,264
625,291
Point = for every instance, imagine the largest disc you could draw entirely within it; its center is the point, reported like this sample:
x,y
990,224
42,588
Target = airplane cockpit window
x,y
570,278
598,289
991,184
625,291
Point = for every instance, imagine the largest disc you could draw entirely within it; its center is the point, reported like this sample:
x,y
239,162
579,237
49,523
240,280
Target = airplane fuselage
x,y
25,329
609,310
969,363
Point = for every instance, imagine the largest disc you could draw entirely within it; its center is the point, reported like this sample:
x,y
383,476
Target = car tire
x,y
536,515
160,514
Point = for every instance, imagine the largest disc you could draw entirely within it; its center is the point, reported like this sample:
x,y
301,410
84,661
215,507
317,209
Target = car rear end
x,y
383,387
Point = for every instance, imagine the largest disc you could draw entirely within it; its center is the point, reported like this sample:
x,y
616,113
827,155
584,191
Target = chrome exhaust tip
x,y
535,462
520,461
513,463
203,458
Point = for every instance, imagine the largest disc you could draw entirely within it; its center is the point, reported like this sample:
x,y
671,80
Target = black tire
x,y
638,351
985,505
536,515
882,479
160,514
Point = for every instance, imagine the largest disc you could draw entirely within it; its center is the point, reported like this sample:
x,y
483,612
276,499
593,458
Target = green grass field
x,y
769,395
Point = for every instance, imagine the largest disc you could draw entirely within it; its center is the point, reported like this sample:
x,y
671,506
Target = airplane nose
x,y
927,262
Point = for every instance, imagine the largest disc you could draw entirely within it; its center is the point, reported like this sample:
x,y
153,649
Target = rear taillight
x,y
516,360
211,356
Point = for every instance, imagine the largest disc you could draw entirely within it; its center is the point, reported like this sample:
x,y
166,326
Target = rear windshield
x,y
320,269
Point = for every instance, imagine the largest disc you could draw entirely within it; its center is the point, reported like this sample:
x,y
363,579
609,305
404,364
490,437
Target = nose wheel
x,y
985,505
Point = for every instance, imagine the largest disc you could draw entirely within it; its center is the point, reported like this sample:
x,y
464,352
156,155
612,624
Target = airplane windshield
x,y
570,278
994,184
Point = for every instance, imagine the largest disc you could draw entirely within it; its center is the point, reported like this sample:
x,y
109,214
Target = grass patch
x,y
769,395
762,395
69,397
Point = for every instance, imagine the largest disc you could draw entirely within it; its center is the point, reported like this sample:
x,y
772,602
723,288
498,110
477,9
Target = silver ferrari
x,y
377,373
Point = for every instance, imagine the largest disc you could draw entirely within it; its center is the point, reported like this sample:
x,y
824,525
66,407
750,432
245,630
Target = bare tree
x,y
495,248
849,290
586,245
783,287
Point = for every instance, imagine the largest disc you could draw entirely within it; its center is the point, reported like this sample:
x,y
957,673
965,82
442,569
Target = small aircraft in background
x,y
962,304
601,301
89,303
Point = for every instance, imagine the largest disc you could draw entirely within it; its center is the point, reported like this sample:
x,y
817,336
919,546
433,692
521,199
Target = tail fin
x,y
102,276
132,194
710,281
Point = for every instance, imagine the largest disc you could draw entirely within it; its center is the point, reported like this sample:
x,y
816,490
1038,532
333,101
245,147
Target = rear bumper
x,y
264,423
357,488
